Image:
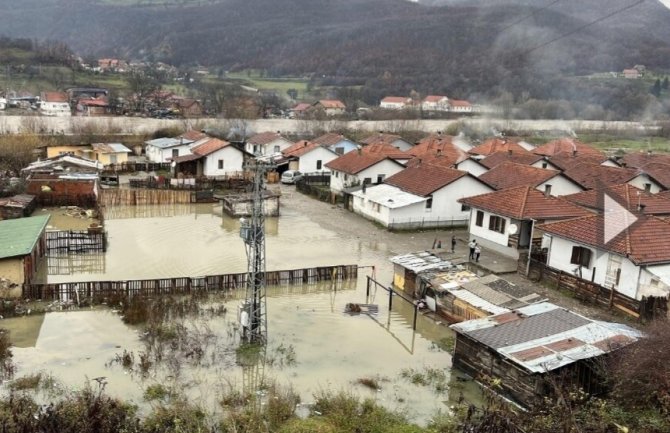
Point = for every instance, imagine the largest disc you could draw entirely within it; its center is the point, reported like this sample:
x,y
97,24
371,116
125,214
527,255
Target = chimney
x,y
547,190
649,152
304,143
439,152
439,132
574,152
640,207
509,152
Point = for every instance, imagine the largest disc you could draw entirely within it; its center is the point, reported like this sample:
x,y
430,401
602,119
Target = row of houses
x,y
429,103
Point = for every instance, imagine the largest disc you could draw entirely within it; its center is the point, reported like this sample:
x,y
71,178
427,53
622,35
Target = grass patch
x,y
369,382
434,378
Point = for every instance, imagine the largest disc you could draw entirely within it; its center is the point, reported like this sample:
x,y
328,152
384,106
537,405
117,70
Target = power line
x,y
603,18
529,15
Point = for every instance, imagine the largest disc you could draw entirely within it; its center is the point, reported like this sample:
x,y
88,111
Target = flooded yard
x,y
312,344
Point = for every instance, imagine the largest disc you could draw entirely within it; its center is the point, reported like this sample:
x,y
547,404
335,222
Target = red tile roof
x,y
381,138
525,158
626,195
301,106
658,171
510,174
495,145
644,242
459,103
424,179
565,145
192,135
640,159
438,146
331,103
434,98
264,138
329,139
565,160
397,99
524,202
592,176
54,97
209,146
355,162
299,148
386,149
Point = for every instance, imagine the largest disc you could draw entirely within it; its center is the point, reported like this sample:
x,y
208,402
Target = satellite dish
x,y
513,229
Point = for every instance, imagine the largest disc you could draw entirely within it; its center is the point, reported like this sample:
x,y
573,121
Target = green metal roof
x,y
19,236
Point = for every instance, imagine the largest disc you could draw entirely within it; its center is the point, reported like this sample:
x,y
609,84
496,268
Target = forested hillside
x,y
479,47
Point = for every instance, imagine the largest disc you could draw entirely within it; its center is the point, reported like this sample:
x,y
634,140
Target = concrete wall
x,y
490,239
156,154
641,180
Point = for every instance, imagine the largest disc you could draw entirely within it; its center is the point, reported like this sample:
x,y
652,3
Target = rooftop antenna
x,y
253,314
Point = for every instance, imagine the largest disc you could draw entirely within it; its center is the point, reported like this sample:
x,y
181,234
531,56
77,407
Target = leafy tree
x,y
656,88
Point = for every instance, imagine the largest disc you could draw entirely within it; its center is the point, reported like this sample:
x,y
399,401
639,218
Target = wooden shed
x,y
18,206
524,350
22,244
407,267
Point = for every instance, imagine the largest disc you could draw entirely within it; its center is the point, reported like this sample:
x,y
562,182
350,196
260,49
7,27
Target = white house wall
x,y
340,180
157,154
560,253
308,162
560,185
472,167
232,158
543,163
642,179
491,239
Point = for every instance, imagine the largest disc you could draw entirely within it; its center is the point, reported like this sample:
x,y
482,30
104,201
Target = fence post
x,y
390,298
416,312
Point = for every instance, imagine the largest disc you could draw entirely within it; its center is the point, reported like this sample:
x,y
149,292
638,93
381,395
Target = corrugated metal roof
x,y
110,148
389,196
421,261
478,302
18,236
167,142
546,337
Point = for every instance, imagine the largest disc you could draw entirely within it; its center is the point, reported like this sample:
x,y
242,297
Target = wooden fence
x,y
133,197
132,167
585,290
182,285
233,182
76,241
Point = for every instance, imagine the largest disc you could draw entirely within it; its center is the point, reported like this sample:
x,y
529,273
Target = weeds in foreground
x,y
435,378
7,368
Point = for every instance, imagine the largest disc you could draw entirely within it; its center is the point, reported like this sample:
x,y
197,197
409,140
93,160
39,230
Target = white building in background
x,y
435,103
395,103
3,103
55,104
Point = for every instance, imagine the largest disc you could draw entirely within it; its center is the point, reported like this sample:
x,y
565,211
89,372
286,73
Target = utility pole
x,y
253,315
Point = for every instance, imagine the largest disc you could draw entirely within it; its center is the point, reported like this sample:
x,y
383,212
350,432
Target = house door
x,y
613,270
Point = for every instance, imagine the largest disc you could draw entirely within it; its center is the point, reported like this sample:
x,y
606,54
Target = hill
x,y
392,45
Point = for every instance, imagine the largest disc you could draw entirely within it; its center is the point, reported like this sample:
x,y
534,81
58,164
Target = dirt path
x,y
347,223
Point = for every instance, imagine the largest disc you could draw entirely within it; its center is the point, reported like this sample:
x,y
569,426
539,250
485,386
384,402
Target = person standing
x,y
478,251
453,243
472,245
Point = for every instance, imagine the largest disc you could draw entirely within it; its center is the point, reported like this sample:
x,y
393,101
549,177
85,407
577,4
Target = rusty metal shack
x,y
461,295
407,267
525,350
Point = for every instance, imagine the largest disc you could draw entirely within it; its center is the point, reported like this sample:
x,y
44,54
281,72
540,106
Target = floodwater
x,y
332,350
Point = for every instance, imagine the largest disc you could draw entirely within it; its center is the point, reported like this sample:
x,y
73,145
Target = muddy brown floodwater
x,y
332,350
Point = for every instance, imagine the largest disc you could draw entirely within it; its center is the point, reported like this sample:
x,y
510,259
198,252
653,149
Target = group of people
x,y
475,249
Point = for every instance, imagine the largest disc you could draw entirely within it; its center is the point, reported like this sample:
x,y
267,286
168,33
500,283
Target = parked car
x,y
291,176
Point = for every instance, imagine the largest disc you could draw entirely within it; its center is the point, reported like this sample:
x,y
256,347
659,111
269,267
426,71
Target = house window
x,y
497,224
220,164
276,150
429,203
380,178
581,256
479,221
544,165
318,164
339,150
175,153
112,159
647,187
337,174
465,208
367,180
